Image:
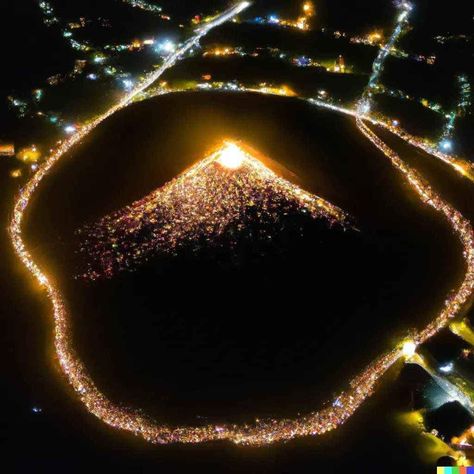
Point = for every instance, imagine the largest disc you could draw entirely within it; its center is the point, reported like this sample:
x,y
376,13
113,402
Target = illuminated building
x,y
7,149
29,154
15,173
340,65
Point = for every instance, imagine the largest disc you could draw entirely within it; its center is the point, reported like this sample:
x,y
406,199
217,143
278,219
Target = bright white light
x,y
127,84
364,107
92,76
167,47
231,156
70,129
409,349
447,368
402,16
446,145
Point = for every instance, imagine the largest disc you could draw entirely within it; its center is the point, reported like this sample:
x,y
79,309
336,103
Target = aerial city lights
x,y
230,173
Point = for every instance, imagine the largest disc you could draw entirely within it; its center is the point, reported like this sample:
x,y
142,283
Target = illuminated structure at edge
x,y
264,431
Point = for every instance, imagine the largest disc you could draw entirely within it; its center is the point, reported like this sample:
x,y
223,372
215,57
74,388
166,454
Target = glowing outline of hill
x,y
200,202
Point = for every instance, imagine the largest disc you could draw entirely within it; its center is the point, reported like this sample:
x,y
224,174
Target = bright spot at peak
x,y
231,156
409,349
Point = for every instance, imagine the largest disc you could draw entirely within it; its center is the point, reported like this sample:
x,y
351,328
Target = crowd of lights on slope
x,y
261,432
230,187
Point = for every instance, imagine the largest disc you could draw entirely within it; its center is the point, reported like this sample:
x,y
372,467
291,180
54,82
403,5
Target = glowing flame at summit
x,y
231,156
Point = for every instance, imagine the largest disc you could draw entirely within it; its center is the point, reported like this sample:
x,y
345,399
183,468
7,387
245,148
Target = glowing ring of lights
x,y
261,432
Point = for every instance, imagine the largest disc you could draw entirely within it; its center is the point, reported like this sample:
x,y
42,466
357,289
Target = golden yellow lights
x,y
29,154
7,149
374,37
308,8
461,459
15,173
408,349
231,156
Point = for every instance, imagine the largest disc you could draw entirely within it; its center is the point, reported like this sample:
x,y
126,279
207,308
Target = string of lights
x,y
364,105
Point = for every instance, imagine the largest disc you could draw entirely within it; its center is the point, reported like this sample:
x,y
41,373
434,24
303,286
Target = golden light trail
x,y
263,431
461,226
462,167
